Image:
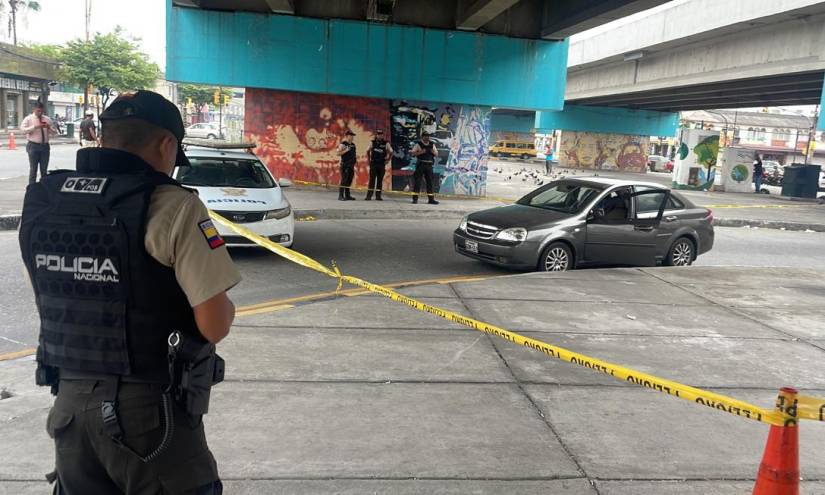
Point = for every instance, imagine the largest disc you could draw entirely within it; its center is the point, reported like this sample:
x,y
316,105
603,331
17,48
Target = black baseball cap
x,y
425,133
350,133
379,131
153,108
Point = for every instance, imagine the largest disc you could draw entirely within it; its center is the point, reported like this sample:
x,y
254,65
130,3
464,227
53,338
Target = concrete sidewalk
x,y
364,395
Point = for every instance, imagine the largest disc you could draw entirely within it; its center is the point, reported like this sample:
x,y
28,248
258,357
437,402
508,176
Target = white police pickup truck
x,y
236,185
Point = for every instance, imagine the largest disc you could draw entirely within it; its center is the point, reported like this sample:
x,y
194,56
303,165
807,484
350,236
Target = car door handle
x,y
644,228
671,218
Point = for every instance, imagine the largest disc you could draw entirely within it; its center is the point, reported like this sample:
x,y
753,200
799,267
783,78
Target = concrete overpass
x,y
699,54
534,19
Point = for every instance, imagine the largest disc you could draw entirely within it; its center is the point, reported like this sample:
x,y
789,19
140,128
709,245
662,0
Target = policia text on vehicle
x,y
130,278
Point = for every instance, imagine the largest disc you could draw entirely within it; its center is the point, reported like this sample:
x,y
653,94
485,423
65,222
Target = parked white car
x,y
205,130
237,186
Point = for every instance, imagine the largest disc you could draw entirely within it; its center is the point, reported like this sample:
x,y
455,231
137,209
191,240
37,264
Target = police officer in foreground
x,y
346,150
130,278
379,154
426,152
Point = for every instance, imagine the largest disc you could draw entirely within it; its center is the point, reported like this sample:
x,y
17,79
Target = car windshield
x,y
564,196
225,172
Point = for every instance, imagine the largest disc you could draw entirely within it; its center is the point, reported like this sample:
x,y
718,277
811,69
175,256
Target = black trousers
x,y
347,174
425,170
376,179
38,156
89,461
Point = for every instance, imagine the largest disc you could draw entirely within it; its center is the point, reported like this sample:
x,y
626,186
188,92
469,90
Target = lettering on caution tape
x,y
805,407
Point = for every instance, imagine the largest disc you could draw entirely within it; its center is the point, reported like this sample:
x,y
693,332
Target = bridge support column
x,y
606,138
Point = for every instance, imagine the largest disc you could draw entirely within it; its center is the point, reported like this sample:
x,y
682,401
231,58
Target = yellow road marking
x,y
17,354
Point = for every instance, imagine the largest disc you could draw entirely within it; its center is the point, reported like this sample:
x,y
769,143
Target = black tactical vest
x,y
348,159
427,156
378,155
106,306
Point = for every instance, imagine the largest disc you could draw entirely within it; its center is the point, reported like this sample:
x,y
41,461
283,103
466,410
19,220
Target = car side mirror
x,y
596,215
284,182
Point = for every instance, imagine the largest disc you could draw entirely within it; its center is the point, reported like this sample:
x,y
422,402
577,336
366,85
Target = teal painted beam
x,y
609,120
821,123
363,59
511,123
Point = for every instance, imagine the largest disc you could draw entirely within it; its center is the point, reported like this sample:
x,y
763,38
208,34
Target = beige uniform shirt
x,y
180,235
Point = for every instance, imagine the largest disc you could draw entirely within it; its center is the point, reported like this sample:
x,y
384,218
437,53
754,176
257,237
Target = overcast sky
x,y
61,20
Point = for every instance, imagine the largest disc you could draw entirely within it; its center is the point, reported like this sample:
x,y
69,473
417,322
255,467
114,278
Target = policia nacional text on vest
x,y
108,310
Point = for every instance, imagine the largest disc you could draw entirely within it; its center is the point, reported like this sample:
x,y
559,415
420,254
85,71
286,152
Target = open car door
x,y
629,240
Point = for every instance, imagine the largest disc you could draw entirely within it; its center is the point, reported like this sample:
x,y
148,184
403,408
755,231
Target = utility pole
x,y
88,14
811,137
220,112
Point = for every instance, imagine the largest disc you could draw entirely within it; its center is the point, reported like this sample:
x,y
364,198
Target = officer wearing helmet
x,y
130,279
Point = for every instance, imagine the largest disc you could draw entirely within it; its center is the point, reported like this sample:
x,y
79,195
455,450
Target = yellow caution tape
x,y
755,206
809,407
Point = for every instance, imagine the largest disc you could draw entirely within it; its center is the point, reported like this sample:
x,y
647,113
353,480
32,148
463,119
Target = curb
x,y
11,222
394,214
768,224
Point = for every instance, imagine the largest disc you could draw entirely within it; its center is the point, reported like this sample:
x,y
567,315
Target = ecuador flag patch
x,y
211,233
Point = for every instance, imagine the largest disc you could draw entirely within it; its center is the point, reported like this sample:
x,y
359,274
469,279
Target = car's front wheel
x,y
211,136
681,253
557,257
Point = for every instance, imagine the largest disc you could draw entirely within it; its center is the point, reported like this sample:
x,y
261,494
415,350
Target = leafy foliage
x,y
200,94
707,151
110,62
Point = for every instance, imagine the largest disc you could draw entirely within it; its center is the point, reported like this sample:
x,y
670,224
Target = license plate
x,y
471,246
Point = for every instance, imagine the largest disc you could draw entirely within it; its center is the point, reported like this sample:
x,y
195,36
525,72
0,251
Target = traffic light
x,y
216,98
226,99
80,99
188,102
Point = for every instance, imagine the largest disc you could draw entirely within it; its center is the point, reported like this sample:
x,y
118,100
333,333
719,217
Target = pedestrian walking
x,y
346,150
548,159
88,131
758,172
38,130
130,278
380,153
426,153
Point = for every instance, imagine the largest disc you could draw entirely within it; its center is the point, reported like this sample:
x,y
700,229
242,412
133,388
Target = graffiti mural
x,y
600,151
461,134
466,171
297,133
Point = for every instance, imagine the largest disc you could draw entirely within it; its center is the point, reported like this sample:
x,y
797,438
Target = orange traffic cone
x,y
12,141
779,471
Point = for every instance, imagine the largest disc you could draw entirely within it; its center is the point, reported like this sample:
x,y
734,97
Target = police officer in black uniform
x,y
130,279
379,154
346,150
426,152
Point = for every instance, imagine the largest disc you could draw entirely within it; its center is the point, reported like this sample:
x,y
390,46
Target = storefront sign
x,y
20,84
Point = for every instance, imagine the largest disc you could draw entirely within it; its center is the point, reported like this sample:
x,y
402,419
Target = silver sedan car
x,y
589,221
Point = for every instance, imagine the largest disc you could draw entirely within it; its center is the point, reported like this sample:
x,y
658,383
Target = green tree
x,y
200,94
19,8
110,62
54,52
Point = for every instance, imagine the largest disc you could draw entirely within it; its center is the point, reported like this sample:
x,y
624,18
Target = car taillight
x,y
709,218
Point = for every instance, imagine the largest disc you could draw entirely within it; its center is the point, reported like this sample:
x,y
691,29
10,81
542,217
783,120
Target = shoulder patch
x,y
87,185
211,233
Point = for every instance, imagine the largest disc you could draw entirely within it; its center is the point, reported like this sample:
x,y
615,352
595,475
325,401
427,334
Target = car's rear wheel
x,y
681,253
210,136
524,157
557,257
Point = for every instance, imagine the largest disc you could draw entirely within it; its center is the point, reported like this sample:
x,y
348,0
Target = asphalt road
x,y
383,251
15,163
